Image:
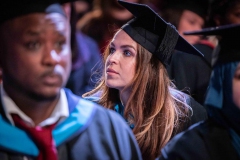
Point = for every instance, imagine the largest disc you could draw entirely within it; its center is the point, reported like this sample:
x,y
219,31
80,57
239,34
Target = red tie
x,y
42,138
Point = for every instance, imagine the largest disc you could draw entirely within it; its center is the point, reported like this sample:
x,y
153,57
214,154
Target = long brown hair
x,y
155,112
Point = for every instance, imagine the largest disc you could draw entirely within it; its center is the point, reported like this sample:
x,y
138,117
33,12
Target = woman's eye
x,y
127,53
111,50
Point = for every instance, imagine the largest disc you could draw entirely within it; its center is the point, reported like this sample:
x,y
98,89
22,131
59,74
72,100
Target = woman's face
x,y
121,63
190,21
236,87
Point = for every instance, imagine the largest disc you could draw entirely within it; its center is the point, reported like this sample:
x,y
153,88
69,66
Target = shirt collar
x,y
60,112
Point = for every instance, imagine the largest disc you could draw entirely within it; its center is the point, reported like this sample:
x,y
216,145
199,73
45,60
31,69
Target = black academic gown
x,y
204,141
198,113
191,73
90,132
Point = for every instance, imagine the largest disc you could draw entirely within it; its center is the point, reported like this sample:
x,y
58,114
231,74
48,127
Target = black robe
x,y
191,73
199,113
204,141
92,133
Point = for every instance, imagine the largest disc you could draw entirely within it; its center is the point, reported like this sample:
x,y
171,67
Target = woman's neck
x,y
124,96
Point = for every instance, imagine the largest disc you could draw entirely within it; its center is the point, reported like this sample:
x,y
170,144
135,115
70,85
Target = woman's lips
x,y
111,71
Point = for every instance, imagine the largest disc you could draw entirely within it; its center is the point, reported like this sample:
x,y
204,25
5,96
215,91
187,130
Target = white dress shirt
x,y
60,112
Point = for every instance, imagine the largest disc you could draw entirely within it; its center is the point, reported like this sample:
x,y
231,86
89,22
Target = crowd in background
x,y
99,20
190,73
174,103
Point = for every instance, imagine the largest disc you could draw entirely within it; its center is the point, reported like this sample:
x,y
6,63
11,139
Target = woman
x,y
217,138
135,81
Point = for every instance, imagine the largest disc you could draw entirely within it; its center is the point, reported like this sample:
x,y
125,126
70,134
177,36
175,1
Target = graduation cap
x,y
14,8
153,33
200,7
229,41
230,31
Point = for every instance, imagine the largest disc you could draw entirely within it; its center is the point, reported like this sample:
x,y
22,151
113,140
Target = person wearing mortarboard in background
x,y
190,73
186,15
39,119
222,12
135,81
218,138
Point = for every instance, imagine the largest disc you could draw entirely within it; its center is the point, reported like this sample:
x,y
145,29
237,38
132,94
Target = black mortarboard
x,y
229,41
200,7
153,33
228,31
14,8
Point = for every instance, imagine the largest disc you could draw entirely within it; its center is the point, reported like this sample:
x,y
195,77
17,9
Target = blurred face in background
x,y
236,87
233,15
228,15
190,21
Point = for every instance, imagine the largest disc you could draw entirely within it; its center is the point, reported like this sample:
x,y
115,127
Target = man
x,y
38,118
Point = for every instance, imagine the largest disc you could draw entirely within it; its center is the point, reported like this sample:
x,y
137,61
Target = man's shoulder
x,y
106,134
100,113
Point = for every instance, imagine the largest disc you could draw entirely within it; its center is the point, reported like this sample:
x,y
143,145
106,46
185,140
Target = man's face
x,y
35,54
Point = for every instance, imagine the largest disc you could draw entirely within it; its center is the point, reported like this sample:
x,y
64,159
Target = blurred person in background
x,y
102,22
186,15
86,58
223,12
82,7
218,138
190,73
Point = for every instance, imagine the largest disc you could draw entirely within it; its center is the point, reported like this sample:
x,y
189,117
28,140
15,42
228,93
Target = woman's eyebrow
x,y
128,46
